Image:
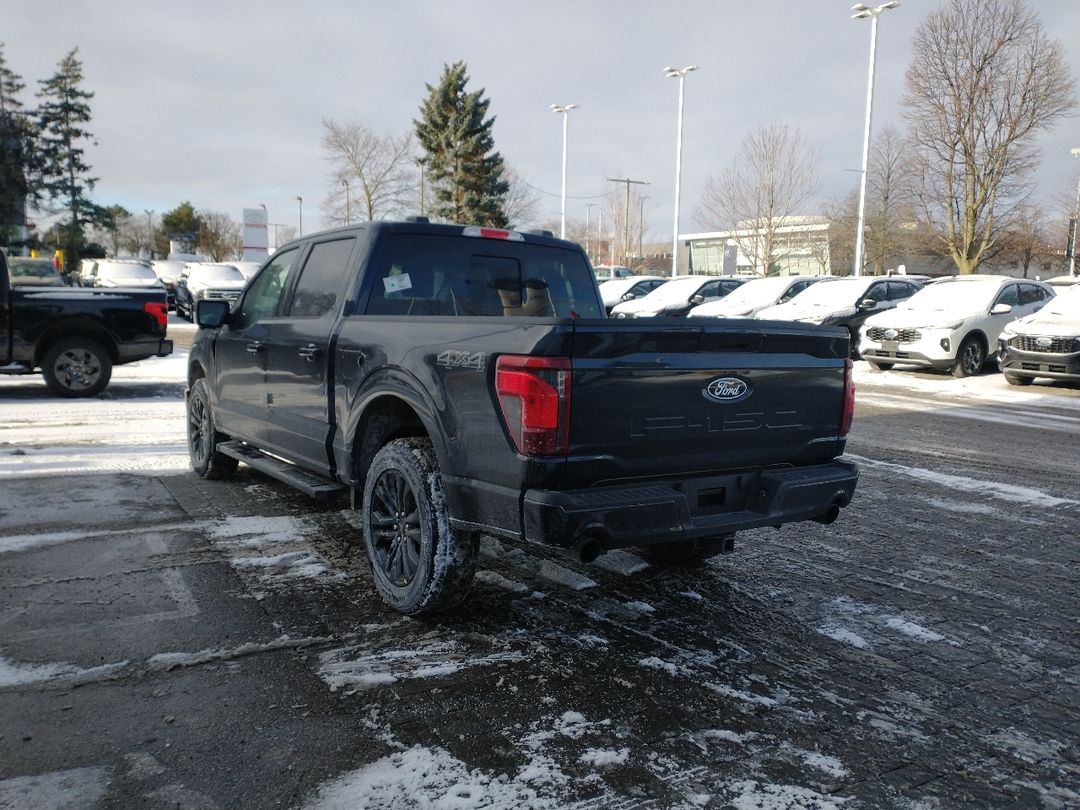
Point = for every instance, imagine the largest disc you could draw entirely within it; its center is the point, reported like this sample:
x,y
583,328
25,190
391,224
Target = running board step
x,y
312,485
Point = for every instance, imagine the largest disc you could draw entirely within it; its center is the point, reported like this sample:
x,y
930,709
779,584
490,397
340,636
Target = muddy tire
x,y
420,564
203,437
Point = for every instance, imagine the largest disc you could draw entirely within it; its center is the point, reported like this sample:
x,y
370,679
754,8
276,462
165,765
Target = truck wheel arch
x,y
389,413
74,329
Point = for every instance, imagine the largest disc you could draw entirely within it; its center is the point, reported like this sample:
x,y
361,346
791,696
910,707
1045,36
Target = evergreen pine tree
x,y
14,147
61,124
465,171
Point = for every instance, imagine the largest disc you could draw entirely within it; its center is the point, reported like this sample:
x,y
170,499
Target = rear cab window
x,y
450,276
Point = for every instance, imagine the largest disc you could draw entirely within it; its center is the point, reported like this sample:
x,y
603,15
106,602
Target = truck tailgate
x,y
665,396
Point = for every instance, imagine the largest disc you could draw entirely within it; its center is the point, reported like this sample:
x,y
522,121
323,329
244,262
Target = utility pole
x,y
641,225
1073,223
588,222
626,212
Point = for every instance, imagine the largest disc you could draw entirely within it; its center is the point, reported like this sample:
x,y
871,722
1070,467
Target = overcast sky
x,y
221,103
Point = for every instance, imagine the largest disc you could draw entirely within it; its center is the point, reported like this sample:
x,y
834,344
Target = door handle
x,y
309,352
254,347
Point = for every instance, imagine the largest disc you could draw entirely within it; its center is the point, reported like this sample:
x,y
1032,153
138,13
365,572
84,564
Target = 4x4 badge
x,y
727,389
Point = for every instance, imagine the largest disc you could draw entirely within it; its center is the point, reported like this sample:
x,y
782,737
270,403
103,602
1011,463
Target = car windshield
x,y
758,291
826,293
948,295
132,271
216,274
678,289
1066,302
617,286
32,268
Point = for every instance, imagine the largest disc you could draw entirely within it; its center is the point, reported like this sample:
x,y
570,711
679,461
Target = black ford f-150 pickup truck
x,y
75,336
461,381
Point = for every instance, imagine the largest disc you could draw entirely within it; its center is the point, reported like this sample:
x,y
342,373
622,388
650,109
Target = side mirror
x,y
868,303
628,297
697,298
211,314
1001,309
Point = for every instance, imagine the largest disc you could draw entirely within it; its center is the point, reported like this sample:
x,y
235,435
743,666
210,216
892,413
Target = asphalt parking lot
x,y
172,642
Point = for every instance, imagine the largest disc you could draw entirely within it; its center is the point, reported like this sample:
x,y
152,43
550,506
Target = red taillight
x,y
159,310
534,394
849,399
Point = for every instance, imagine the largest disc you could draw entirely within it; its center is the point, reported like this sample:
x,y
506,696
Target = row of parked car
x,y
185,283
956,324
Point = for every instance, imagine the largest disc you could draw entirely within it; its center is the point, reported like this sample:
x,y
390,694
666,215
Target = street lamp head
x,y
563,108
1075,152
673,72
862,11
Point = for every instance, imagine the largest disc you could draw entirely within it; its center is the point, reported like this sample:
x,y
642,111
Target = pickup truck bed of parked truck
x,y
459,381
75,336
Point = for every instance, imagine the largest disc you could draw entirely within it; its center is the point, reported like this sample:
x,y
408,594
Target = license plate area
x,y
890,346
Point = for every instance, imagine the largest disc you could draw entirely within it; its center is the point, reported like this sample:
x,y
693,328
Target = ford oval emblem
x,y
1044,342
891,334
727,389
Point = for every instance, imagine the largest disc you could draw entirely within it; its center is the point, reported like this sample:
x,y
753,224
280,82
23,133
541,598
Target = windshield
x,y
216,274
126,271
1065,303
679,289
757,291
950,295
32,268
826,293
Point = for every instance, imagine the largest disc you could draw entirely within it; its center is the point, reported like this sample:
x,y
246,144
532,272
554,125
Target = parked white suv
x,y
754,296
952,324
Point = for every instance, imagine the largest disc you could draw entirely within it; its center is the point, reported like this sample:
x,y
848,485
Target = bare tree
x,y
983,82
890,210
522,203
220,236
1027,241
773,176
372,176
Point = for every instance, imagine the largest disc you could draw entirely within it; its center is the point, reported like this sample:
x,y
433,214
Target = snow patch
x,y
750,794
75,789
13,673
913,630
499,581
605,758
962,483
844,636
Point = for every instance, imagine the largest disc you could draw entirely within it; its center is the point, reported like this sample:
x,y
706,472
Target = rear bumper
x,y
133,352
684,509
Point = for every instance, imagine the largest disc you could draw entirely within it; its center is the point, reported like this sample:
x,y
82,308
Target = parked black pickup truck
x,y
461,381
75,336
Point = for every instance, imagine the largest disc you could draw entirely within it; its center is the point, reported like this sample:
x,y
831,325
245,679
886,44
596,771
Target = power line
x,y
568,196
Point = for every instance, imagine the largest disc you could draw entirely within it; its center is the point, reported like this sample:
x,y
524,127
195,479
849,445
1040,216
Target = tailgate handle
x,y
254,347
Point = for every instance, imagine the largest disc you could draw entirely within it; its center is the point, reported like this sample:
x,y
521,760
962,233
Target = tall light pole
x,y
588,222
565,110
1073,223
300,208
641,224
680,74
862,12
422,163
348,202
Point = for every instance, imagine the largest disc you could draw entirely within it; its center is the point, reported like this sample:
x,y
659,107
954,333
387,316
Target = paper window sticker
x,y
397,283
